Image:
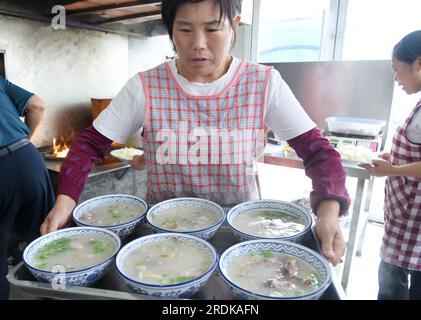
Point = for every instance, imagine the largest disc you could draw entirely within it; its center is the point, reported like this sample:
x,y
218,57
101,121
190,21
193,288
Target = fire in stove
x,y
60,149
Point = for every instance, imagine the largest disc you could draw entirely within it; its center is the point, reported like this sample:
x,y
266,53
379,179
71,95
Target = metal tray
x,y
112,287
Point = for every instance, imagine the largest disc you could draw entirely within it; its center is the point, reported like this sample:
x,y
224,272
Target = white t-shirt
x,y
413,130
126,113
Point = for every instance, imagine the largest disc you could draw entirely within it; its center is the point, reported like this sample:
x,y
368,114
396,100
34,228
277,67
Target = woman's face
x,y
408,75
202,44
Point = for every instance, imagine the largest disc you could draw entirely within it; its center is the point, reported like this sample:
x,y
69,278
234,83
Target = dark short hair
x,y
409,48
228,9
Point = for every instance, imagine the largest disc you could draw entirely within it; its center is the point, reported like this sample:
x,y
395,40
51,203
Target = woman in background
x,y
400,266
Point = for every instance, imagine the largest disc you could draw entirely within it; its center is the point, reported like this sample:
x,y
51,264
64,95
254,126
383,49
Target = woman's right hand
x,y
138,162
385,156
59,216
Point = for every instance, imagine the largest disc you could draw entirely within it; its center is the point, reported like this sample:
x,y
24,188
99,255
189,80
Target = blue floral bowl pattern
x,y
177,290
82,277
122,230
290,248
289,207
205,234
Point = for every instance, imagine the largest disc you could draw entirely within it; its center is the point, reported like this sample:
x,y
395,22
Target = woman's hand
x,y
380,167
329,231
59,216
385,156
138,162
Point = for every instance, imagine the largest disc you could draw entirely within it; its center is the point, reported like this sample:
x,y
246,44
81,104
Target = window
x,y
373,27
292,30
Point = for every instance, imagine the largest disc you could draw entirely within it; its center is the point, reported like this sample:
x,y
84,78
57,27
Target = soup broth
x,y
188,218
111,214
268,223
273,274
74,252
167,262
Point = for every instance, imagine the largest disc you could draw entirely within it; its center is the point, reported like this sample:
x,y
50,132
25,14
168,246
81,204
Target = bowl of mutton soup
x,y
194,216
118,213
274,270
269,219
76,256
167,265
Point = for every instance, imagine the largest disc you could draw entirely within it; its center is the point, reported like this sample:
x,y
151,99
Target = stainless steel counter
x,y
107,165
274,155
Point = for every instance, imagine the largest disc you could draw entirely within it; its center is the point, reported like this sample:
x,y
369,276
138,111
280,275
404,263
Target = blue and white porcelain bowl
x,y
178,290
206,233
298,211
295,250
82,277
122,230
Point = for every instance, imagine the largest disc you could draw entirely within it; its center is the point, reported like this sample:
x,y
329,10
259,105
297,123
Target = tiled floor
x,y
362,283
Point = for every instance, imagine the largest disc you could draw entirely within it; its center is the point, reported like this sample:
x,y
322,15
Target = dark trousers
x,y
396,283
26,197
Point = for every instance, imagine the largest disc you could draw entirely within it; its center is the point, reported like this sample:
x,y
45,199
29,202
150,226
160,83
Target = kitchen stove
x,y
108,176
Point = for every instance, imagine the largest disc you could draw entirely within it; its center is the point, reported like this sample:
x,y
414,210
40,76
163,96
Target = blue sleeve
x,y
17,95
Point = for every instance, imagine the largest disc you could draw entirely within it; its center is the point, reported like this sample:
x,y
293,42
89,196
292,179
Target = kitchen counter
x,y
274,155
107,165
109,176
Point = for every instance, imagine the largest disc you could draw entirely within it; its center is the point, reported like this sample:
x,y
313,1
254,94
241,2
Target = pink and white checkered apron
x,y
204,146
402,239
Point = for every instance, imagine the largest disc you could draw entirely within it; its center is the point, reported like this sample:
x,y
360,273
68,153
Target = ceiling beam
x,y
127,17
127,5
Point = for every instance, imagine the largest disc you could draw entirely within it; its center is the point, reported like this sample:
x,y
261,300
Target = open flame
x,y
60,150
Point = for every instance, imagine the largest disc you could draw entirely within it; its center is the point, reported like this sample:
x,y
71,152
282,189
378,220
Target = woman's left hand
x,y
379,168
329,231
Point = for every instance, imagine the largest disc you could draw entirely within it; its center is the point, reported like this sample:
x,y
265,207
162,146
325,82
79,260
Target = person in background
x,y
26,194
194,103
399,272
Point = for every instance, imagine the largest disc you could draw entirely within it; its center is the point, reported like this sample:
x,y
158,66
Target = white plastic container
x,y
355,126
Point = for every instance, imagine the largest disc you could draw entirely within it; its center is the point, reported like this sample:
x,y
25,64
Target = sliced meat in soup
x,y
273,274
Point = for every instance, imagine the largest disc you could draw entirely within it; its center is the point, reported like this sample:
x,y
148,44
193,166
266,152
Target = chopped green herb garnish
x,y
266,254
314,279
275,214
175,279
53,248
298,292
41,265
97,246
116,214
171,223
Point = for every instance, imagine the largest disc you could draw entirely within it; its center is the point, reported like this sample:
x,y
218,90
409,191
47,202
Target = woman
x,y
401,249
203,116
